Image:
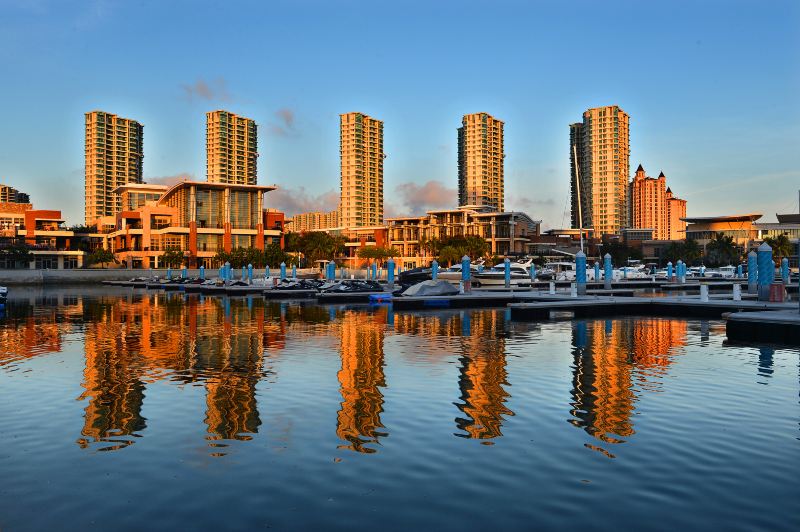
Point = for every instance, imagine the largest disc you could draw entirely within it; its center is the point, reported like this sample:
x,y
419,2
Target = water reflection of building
x,y
608,357
479,339
217,342
112,383
482,376
232,365
361,379
26,334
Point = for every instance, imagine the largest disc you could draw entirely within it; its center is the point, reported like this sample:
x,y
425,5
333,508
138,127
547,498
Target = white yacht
x,y
496,276
453,273
565,271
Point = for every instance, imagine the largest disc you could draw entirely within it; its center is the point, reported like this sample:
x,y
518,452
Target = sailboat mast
x,y
578,193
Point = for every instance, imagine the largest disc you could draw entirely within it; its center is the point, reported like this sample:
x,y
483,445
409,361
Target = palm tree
x,y
781,245
449,255
691,251
721,250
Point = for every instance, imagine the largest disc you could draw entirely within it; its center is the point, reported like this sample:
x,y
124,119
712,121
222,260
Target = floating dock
x,y
348,297
657,306
289,294
772,326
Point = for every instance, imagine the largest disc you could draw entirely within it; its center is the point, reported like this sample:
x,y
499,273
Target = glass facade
x,y
244,209
209,242
210,208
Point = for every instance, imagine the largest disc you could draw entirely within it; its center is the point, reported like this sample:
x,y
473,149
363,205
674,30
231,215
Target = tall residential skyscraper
x,y
361,152
114,154
231,148
602,143
480,162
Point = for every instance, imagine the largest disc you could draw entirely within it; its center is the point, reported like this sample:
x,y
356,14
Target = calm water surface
x,y
134,410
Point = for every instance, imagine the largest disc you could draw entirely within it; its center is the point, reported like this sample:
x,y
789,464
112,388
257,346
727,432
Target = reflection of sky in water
x,y
168,383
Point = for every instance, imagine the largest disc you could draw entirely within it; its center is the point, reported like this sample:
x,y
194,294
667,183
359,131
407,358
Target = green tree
x,y
274,255
721,251
291,241
378,254
102,257
476,246
450,255
318,245
781,245
173,257
16,254
692,251
431,246
688,251
83,229
621,253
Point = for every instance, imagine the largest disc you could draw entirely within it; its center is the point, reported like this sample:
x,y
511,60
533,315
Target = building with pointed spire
x,y
676,212
653,206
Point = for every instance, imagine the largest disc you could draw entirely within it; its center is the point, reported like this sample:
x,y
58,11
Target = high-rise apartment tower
x,y
114,154
231,148
602,145
361,152
480,162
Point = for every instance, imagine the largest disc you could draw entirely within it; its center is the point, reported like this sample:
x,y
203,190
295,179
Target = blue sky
x,y
712,88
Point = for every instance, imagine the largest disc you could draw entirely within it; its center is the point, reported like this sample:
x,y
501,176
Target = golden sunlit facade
x,y
114,153
480,162
610,356
653,206
361,157
602,145
227,346
231,148
676,212
478,340
313,221
198,218
361,379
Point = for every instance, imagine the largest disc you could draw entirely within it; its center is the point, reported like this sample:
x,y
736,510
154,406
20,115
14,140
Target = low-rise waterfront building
x,y
198,218
507,233
41,233
740,227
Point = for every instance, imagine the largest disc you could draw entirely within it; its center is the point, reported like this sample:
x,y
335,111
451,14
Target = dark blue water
x,y
132,410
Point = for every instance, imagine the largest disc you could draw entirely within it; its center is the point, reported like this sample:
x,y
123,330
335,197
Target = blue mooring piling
x,y
608,271
752,273
766,271
580,272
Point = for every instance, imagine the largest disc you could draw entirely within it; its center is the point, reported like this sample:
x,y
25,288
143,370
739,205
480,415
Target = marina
x,y
747,317
191,390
